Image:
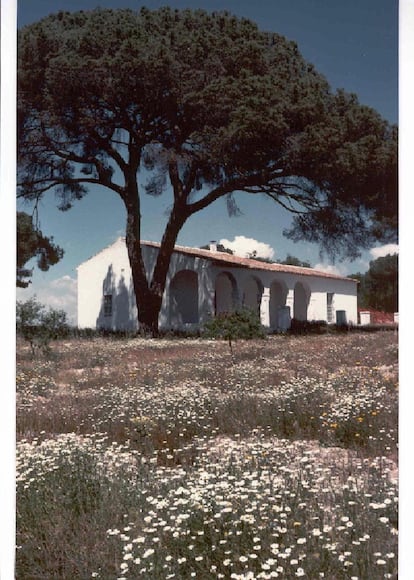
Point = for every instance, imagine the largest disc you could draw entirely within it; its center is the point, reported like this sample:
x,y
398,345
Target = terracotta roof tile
x,y
231,259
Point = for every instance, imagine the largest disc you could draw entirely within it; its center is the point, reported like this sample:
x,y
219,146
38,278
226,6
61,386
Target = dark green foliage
x,y
31,243
292,261
242,324
289,260
362,303
308,326
230,326
378,287
38,326
253,256
53,514
209,105
381,283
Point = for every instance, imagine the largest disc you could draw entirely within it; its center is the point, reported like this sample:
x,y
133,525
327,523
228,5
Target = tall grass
x,y
159,459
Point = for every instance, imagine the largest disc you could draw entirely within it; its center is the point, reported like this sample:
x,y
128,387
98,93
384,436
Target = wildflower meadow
x,y
174,458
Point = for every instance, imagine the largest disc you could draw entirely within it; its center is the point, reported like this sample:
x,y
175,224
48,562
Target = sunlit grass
x,y
161,459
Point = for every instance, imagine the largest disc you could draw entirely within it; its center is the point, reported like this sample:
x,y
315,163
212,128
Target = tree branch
x,y
178,189
50,183
60,148
116,156
208,199
241,183
104,173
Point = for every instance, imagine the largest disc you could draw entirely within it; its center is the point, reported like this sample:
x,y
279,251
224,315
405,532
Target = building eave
x,y
223,258
231,260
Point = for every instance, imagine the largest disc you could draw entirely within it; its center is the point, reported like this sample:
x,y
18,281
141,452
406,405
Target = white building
x,y
203,283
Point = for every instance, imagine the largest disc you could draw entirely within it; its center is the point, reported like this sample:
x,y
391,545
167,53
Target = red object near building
x,y
371,316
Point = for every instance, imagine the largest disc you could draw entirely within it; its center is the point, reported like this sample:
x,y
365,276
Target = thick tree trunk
x,y
148,306
159,277
147,309
148,314
148,295
147,302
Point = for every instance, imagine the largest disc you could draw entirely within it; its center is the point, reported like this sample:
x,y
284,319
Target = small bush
x,y
374,327
85,333
38,326
241,324
308,326
230,326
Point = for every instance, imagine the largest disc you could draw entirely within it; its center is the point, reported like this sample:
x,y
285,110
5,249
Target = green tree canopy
x,y
378,287
31,243
209,105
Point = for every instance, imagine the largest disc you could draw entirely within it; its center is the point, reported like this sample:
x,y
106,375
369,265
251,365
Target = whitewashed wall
x,y
191,296
108,272
169,317
315,287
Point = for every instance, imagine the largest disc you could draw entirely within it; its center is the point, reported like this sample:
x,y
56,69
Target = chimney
x,y
213,246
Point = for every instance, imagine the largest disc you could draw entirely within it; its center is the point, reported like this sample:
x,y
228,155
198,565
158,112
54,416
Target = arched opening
x,y
278,294
184,298
300,302
225,297
252,294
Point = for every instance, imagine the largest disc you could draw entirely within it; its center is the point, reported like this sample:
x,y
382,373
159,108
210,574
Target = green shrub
x,y
308,326
244,324
230,326
38,326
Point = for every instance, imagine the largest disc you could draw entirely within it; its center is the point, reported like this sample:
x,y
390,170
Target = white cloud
x,y
60,294
243,246
382,251
64,283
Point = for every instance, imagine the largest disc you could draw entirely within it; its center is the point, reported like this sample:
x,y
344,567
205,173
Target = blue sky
x,y
354,44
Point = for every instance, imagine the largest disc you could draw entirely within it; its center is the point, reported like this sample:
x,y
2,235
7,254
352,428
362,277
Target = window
x,y
329,307
107,305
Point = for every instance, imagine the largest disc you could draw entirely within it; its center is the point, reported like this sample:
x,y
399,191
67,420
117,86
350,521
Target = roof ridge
x,y
251,262
224,257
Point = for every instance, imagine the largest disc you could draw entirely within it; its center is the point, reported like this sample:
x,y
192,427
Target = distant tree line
x,y
288,261
378,287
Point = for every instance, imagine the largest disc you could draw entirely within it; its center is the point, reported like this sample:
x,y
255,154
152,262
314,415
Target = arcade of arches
x,y
275,305
184,298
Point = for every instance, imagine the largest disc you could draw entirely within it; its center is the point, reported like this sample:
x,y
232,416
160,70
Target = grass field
x,y
167,459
